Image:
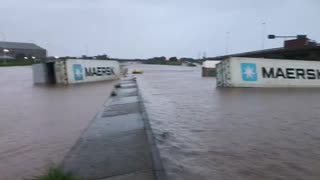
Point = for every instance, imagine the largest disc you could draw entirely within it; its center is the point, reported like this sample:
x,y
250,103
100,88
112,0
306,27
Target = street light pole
x,y
263,34
227,43
4,48
4,55
3,36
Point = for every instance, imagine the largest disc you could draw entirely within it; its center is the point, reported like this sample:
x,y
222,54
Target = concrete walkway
x,y
119,144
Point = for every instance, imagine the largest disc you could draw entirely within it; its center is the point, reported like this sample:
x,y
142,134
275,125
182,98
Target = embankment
x,y
119,143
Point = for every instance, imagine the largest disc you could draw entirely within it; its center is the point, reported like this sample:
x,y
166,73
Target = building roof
x,y
18,45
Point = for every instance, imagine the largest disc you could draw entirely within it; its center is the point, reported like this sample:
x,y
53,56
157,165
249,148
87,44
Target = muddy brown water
x,y
39,124
233,134
203,132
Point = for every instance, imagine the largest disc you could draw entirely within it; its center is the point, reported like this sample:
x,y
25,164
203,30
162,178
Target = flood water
x,y
39,124
203,132
233,134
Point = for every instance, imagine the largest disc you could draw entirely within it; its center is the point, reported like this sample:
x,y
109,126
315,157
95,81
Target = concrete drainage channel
x,y
119,143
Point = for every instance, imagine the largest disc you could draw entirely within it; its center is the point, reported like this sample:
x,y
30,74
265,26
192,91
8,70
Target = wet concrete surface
x,y
125,100
116,124
121,109
128,92
206,133
110,156
128,85
39,124
115,146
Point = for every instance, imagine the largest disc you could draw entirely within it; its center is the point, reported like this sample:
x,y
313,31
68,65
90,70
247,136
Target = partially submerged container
x,y
73,71
260,72
209,68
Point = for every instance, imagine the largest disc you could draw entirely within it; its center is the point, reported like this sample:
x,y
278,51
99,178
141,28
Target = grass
x,y
137,72
17,62
55,173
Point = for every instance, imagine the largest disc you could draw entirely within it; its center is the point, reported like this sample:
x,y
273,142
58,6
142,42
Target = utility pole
x,y
204,55
3,36
227,42
4,50
87,50
263,34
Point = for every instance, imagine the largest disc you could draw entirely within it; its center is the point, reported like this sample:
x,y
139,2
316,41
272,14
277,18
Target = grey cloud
x,y
146,28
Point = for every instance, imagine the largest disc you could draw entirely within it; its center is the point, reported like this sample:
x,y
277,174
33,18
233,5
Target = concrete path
x,y
118,145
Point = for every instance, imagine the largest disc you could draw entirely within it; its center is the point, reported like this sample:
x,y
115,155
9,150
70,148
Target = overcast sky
x,y
147,28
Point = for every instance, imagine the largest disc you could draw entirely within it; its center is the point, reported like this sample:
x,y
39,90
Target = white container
x,y
259,72
39,73
79,70
210,64
73,71
209,68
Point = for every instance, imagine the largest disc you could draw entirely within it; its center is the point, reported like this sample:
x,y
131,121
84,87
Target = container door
x,y
219,78
61,72
51,78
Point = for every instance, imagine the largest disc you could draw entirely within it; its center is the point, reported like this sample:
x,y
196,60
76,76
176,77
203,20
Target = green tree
x,y
102,57
173,59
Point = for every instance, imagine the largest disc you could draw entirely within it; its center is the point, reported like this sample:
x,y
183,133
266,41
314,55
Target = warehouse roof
x,y
18,45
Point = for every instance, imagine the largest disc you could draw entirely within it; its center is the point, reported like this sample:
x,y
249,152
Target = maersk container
x,y
73,71
260,72
209,68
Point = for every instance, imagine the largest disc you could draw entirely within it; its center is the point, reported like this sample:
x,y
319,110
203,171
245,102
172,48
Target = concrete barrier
x,y
119,143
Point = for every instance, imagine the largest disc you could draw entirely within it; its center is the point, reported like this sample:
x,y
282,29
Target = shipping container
x,y
210,64
73,71
39,73
209,68
260,72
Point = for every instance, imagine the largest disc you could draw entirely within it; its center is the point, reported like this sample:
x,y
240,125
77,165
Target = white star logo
x,y
249,72
78,72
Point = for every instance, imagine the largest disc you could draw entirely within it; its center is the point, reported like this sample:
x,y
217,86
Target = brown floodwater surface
x,y
232,134
203,133
39,124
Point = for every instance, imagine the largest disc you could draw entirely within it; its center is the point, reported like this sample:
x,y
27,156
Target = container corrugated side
x,y
79,71
219,76
259,72
61,72
223,74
